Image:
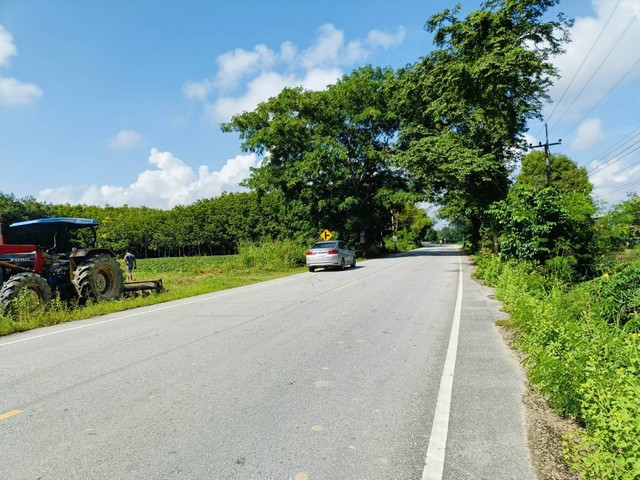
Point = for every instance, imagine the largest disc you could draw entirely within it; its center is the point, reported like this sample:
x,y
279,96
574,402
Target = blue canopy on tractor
x,y
52,225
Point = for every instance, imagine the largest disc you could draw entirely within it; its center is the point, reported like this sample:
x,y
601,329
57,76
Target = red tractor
x,y
56,265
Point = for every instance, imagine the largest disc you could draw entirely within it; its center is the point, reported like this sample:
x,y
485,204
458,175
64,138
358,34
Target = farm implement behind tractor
x,y
55,265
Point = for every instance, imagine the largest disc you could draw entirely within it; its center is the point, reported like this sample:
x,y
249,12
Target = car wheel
x,y
353,264
312,269
342,264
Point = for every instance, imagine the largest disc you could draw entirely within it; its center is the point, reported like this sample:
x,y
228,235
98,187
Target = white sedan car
x,y
335,254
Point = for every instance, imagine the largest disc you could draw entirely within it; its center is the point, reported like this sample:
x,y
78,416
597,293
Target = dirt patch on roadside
x,y
545,429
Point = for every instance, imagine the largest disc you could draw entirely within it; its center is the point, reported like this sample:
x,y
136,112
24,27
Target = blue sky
x,y
119,102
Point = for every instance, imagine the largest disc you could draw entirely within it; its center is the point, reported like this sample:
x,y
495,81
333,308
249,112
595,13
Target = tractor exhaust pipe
x,y
1,234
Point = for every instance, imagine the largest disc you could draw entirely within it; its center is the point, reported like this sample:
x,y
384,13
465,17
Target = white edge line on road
x,y
434,462
174,304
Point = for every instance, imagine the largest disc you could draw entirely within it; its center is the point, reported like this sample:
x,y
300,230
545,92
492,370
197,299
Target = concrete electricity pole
x,y
546,146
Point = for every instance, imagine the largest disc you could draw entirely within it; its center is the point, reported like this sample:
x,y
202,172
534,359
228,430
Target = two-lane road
x,y
326,375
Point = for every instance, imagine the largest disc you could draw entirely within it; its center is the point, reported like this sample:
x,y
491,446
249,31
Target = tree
x,y
13,210
327,155
542,224
619,228
565,175
414,224
465,106
539,222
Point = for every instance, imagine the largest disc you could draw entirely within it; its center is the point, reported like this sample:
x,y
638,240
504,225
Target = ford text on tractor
x,y
42,269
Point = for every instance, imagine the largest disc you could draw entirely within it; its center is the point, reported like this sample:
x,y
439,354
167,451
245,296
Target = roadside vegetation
x,y
359,157
182,277
581,337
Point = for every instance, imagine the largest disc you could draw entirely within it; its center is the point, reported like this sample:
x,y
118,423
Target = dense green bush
x,y
582,354
272,254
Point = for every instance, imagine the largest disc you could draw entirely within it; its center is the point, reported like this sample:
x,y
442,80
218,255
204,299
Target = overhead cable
x,y
616,157
606,57
584,61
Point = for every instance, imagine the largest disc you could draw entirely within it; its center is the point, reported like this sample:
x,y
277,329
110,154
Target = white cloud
x,y
197,90
330,41
319,79
13,92
611,49
288,52
267,71
124,139
386,40
171,182
588,135
259,90
265,86
7,48
234,65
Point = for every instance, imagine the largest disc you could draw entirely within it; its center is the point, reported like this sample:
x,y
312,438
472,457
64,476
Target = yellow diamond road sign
x,y
326,235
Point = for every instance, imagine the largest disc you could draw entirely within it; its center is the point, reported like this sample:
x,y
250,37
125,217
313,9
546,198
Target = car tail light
x,y
309,252
332,251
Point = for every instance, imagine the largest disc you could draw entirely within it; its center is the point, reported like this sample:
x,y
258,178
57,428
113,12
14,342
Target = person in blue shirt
x,y
130,264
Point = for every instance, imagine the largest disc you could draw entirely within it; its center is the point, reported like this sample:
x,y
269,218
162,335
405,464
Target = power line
x,y
626,185
597,70
584,61
603,97
612,148
618,189
628,166
616,158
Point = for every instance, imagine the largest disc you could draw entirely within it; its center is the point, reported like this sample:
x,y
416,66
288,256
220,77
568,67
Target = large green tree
x,y
562,173
540,220
465,106
619,227
327,155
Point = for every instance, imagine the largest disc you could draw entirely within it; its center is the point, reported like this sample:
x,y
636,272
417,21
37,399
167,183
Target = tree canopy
x,y
465,106
328,155
565,175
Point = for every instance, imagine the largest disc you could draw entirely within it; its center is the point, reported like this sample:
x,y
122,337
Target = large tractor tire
x,y
32,284
98,278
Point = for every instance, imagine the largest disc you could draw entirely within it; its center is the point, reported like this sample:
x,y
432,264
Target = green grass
x,y
182,277
582,346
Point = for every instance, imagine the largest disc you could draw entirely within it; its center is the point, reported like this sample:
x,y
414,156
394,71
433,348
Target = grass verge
x,y
182,277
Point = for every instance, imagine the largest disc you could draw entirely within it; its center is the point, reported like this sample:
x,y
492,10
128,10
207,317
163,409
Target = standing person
x,y
130,264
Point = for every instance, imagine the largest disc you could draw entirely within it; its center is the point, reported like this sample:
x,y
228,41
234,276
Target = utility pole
x,y
546,146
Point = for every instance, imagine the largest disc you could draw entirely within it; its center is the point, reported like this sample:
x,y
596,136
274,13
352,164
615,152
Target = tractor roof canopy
x,y
53,225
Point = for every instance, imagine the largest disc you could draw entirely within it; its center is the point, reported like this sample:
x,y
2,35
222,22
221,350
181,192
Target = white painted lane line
x,y
434,463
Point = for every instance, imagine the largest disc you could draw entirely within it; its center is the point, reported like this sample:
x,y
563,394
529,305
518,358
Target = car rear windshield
x,y
324,245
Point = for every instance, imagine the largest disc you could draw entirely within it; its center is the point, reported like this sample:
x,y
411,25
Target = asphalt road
x,y
326,375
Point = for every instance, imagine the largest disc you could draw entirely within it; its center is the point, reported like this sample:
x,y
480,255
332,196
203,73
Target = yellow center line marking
x,y
10,414
346,285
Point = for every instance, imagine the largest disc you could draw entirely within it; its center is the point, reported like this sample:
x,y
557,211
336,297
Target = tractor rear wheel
x,y
34,286
99,278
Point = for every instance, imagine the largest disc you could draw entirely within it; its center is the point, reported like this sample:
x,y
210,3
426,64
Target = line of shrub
x,y
582,347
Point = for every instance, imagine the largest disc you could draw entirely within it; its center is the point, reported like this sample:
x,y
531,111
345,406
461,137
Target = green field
x,y
182,277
